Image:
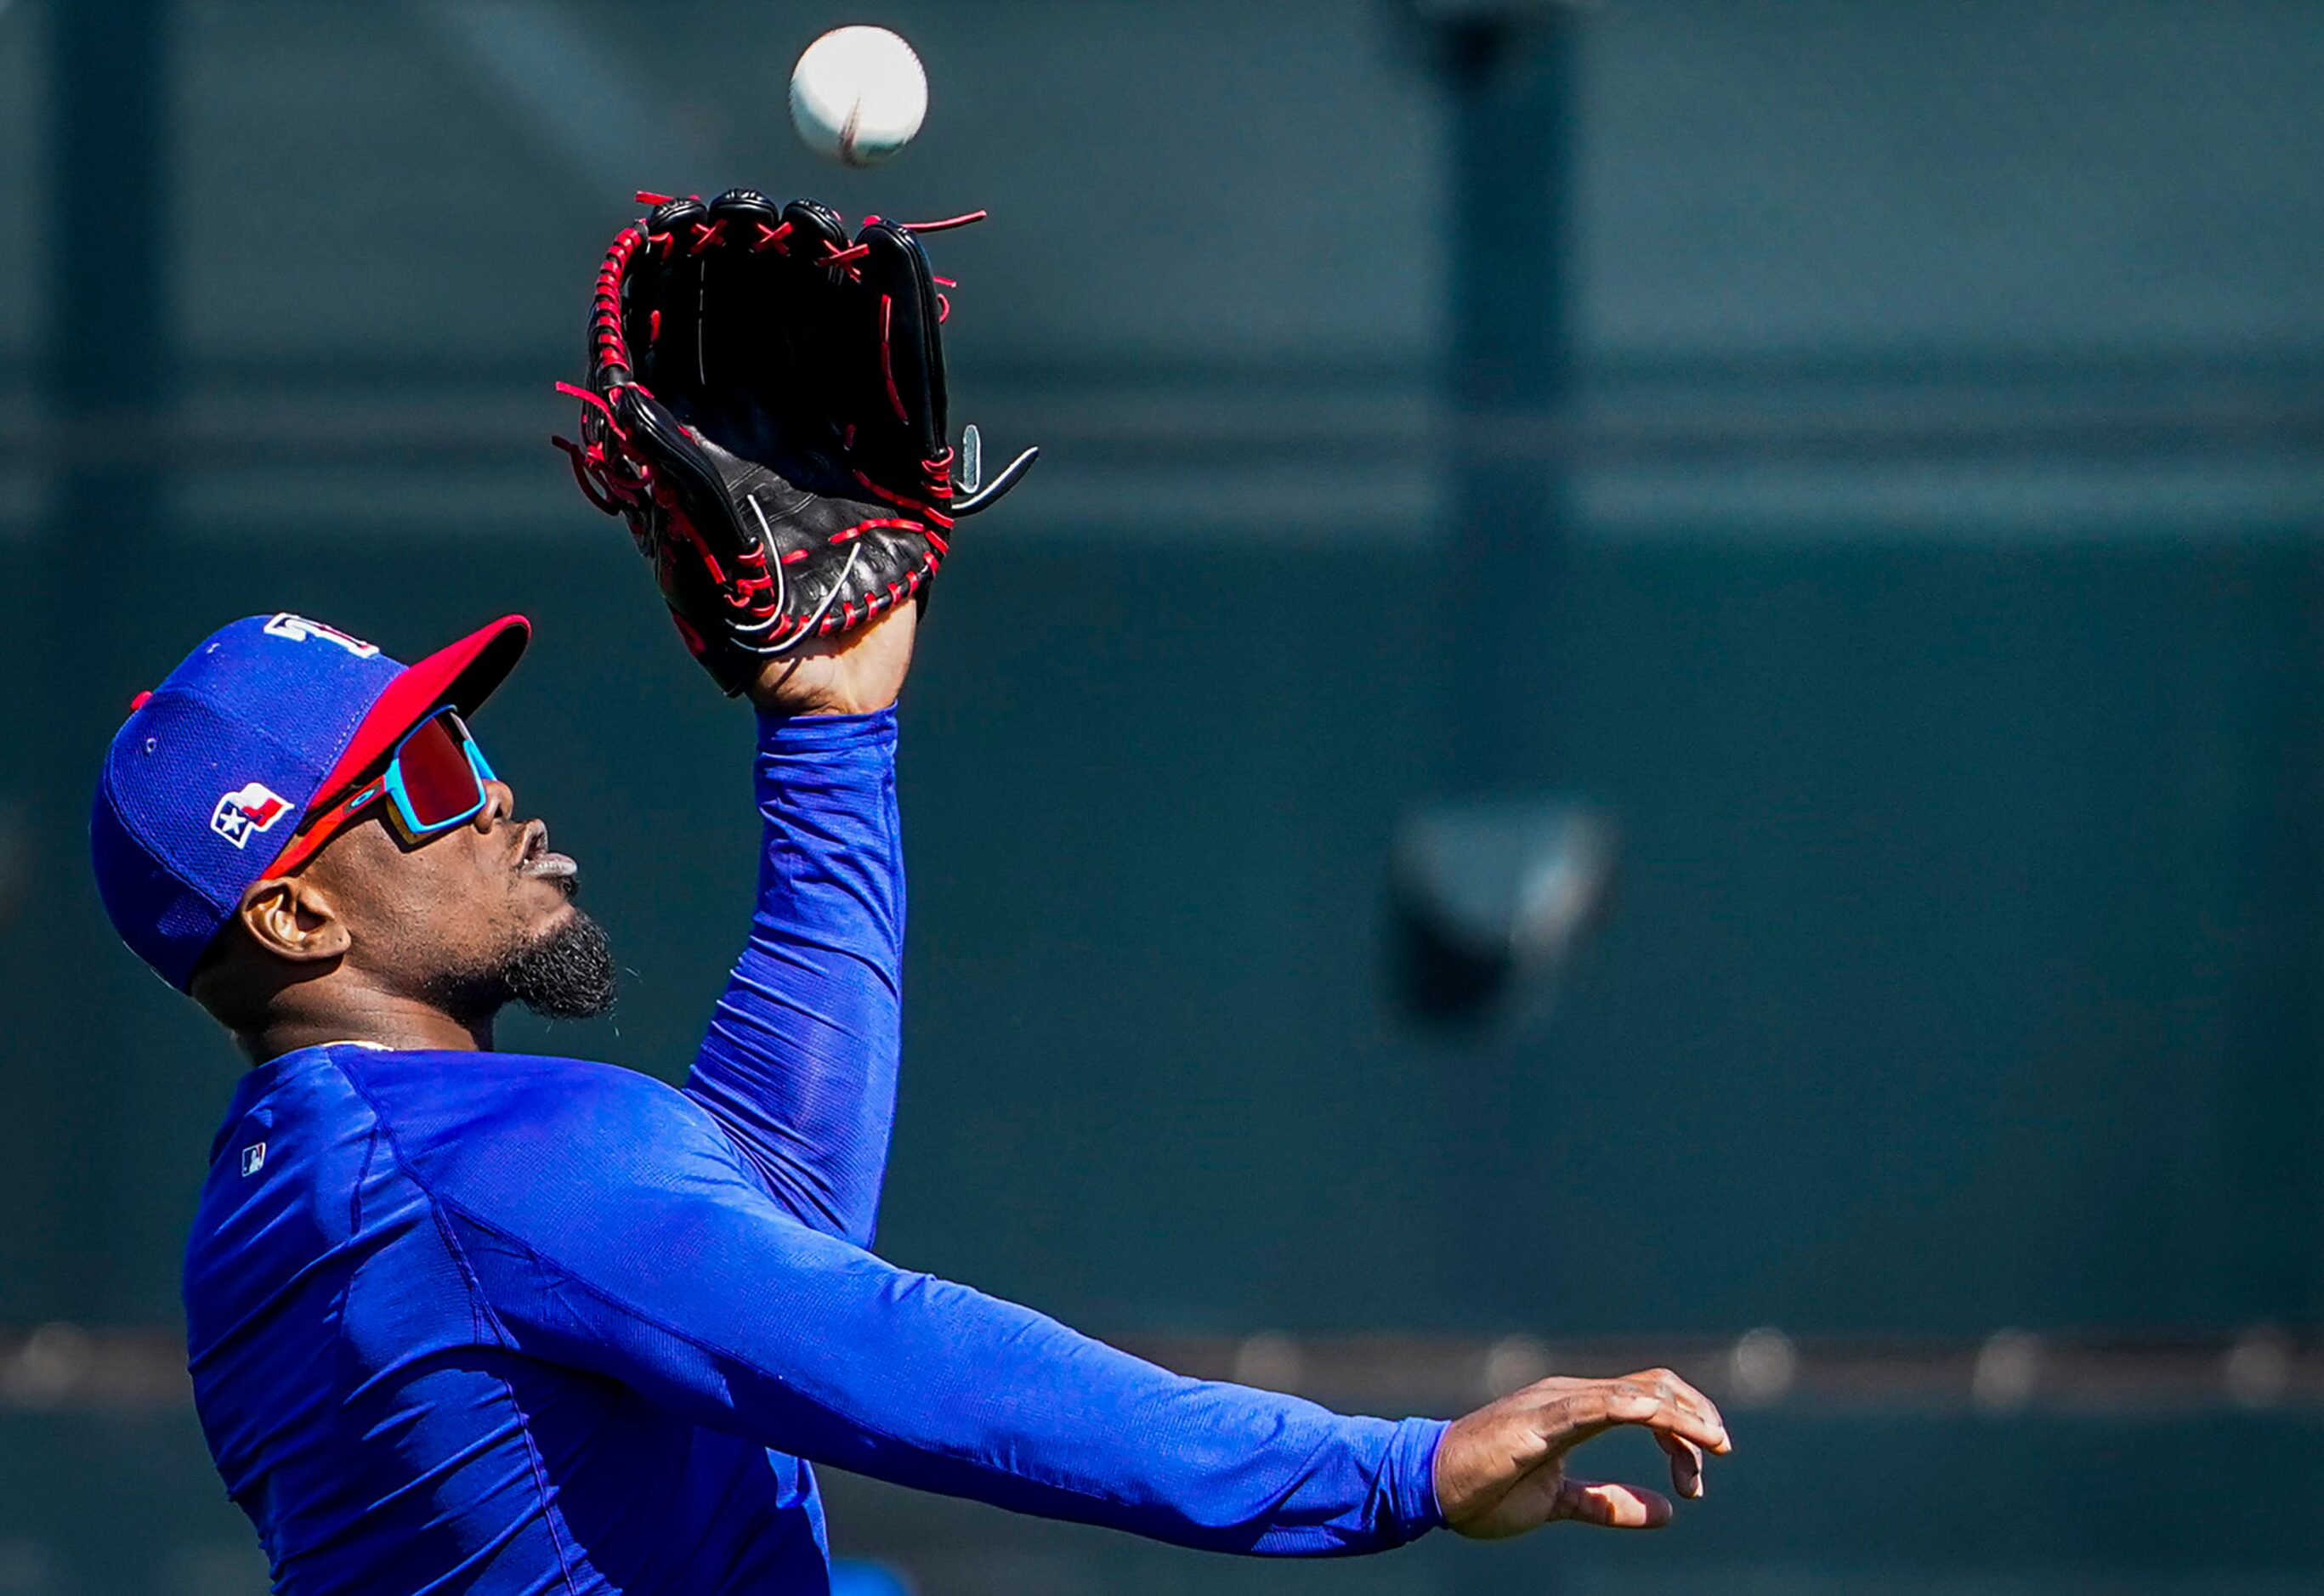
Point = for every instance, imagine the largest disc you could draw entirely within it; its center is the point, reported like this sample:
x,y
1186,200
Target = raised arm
x,y
767,407
799,1064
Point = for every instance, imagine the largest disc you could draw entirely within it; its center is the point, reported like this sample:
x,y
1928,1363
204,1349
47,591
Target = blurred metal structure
x,y
66,1367
1507,70
1491,895
1491,898
107,360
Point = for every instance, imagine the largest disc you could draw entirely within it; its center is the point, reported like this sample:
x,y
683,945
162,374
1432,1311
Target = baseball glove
x,y
766,408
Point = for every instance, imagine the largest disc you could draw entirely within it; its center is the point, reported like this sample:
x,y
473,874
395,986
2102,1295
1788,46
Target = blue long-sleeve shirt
x,y
494,1323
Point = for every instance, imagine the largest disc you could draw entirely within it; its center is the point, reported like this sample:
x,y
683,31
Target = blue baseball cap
x,y
214,772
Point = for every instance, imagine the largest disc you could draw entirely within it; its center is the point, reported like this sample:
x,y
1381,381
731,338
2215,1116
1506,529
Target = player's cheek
x,y
466,884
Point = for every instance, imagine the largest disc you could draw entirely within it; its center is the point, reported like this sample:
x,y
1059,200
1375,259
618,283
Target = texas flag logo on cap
x,y
251,809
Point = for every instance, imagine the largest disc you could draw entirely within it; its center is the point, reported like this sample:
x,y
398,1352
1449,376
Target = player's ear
x,y
292,917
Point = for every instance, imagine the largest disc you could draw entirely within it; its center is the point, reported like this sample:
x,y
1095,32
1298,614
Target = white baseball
x,y
858,94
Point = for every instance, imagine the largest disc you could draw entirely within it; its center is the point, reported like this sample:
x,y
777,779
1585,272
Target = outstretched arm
x,y
645,1254
800,1064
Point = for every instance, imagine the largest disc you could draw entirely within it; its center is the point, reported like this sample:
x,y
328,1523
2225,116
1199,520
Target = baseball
x,y
858,94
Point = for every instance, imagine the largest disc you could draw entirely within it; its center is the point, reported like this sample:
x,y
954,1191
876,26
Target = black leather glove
x,y
766,408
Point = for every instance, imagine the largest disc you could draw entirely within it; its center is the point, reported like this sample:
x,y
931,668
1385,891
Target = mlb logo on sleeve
x,y
254,1159
252,808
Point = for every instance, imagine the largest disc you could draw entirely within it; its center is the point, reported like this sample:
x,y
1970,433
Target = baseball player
x,y
464,1320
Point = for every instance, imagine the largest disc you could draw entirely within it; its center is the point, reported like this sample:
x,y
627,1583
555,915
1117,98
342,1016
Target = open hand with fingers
x,y
1502,1471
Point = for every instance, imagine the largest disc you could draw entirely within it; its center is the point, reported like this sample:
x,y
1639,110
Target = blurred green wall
x,y
1964,971
1963,974
1942,630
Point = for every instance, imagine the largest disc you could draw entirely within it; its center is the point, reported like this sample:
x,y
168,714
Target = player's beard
x,y
567,974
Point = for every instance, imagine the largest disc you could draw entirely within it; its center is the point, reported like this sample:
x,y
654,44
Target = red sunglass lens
x,y
438,783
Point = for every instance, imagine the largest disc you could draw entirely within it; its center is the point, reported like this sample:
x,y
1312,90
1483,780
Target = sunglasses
x,y
433,780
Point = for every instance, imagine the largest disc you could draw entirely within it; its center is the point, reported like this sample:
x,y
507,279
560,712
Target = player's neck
x,y
382,1019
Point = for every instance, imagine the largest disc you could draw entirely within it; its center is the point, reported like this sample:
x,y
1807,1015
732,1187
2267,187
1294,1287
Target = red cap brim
x,y
462,676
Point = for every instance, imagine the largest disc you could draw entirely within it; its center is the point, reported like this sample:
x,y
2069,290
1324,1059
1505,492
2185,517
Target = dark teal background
x,y
1940,622
1962,976
1963,971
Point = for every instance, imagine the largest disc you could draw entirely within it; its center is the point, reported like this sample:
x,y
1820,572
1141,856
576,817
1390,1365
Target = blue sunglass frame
x,y
389,783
